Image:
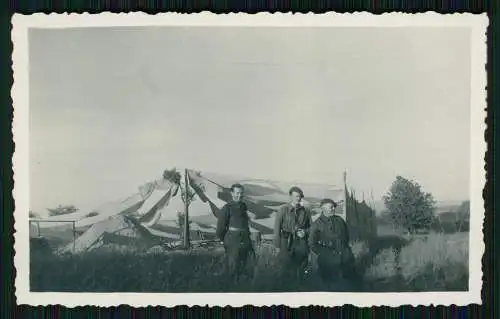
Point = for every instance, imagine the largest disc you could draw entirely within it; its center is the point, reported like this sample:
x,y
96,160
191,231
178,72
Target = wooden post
x,y
460,225
186,210
346,199
38,224
440,223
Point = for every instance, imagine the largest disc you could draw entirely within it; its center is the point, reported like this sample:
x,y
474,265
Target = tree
x,y
408,206
62,210
172,175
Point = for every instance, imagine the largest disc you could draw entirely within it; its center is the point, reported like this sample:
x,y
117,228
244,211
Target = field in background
x,y
435,262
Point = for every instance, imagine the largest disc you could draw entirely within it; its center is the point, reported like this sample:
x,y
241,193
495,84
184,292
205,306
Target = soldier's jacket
x,y
233,215
288,219
330,233
233,229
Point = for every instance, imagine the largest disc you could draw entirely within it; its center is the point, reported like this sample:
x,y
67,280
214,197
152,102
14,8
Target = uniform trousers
x,y
293,256
238,246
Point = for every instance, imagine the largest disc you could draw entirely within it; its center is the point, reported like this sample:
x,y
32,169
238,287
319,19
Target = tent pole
x,y
186,208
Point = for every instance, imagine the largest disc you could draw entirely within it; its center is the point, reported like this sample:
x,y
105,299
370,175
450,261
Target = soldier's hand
x,y
301,233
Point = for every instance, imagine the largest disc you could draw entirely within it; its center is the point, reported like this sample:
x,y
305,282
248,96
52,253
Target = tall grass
x,y
435,262
428,263
384,267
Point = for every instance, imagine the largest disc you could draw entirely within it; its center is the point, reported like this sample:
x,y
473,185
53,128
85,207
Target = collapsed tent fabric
x,y
150,211
130,217
94,235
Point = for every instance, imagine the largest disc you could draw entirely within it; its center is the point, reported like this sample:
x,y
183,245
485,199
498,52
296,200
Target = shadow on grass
x,y
375,246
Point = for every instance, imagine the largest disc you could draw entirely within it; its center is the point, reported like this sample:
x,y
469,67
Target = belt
x,y
236,229
325,244
292,236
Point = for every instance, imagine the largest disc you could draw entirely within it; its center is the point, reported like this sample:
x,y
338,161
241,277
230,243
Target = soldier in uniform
x,y
233,230
291,231
329,240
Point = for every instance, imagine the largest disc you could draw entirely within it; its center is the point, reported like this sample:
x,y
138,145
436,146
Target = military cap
x,y
327,200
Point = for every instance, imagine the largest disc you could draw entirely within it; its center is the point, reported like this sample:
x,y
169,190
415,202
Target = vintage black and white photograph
x,y
336,157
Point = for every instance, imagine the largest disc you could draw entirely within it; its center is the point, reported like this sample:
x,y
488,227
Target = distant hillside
x,y
441,206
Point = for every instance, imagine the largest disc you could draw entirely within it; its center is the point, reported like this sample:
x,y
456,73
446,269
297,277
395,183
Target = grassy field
x,y
433,262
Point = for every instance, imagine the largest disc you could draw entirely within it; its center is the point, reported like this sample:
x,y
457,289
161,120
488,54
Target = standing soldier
x,y
291,231
329,240
233,230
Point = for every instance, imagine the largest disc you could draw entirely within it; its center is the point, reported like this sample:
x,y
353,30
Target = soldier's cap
x,y
327,200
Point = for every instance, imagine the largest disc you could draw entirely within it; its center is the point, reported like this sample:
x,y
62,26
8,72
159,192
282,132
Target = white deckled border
x,y
20,95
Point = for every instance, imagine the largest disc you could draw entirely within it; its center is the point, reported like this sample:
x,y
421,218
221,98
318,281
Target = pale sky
x,y
112,108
